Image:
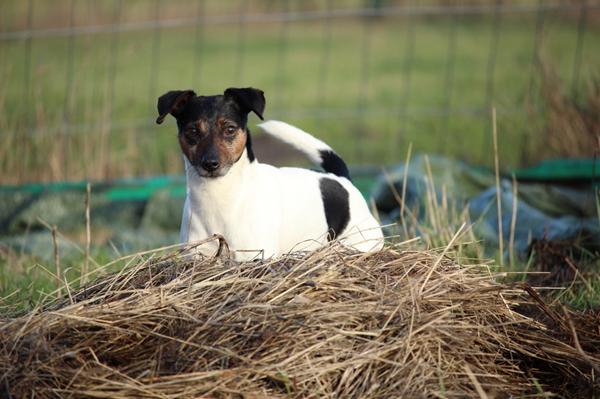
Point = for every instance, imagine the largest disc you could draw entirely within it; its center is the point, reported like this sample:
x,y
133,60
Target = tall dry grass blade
x,y
88,234
59,281
434,209
67,286
498,192
404,185
513,224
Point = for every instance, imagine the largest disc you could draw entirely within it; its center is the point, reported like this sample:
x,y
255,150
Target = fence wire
x,y
300,16
400,111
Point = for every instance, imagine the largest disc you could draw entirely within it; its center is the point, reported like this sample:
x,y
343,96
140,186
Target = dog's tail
x,y
316,150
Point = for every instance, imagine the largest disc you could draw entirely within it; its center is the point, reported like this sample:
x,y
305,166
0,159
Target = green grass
x,y
367,121
27,280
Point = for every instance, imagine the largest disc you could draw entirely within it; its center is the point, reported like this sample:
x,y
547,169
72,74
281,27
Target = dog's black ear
x,y
172,103
249,99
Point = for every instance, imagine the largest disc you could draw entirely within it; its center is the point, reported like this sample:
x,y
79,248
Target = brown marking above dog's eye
x,y
220,122
198,128
202,125
195,131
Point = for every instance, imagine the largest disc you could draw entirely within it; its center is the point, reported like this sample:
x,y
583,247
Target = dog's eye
x,y
230,130
190,140
191,136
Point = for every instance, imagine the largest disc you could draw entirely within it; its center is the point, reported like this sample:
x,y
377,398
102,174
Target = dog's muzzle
x,y
212,169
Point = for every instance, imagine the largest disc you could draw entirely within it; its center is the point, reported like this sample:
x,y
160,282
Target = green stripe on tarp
x,y
562,169
141,189
116,190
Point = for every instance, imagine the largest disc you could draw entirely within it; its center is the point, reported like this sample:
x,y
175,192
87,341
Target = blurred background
x,y
79,79
384,82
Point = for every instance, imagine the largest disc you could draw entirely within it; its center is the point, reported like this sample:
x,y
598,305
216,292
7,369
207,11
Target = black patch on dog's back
x,y
333,163
336,205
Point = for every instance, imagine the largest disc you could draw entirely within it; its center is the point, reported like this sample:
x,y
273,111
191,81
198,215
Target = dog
x,y
259,209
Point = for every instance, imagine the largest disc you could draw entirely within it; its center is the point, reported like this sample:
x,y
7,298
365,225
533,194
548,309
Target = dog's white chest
x,y
269,211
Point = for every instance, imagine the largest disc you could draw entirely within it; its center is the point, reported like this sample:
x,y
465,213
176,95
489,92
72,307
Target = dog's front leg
x,y
192,231
184,232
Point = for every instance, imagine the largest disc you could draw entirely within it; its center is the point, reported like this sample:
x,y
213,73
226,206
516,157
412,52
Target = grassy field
x,y
369,90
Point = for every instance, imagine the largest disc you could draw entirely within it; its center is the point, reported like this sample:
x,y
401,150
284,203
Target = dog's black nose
x,y
210,165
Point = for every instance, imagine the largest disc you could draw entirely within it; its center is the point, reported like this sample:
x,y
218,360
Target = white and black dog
x,y
258,208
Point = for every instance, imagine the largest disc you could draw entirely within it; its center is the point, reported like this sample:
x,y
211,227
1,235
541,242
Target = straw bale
x,y
329,323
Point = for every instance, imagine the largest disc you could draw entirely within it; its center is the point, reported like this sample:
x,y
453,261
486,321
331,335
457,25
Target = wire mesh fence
x,y
79,78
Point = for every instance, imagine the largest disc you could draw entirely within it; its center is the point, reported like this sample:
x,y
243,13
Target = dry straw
x,y
325,324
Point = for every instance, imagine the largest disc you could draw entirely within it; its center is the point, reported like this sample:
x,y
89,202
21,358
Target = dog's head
x,y
212,129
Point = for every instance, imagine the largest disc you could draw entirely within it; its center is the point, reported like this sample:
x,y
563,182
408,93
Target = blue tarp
x,y
566,211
